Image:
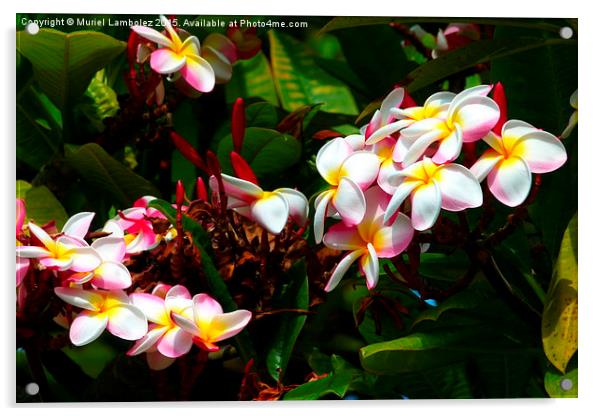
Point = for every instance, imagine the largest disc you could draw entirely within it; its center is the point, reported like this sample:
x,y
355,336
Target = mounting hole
x,y
566,32
32,389
566,384
32,28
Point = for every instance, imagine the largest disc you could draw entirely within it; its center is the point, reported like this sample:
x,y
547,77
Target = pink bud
x,y
180,193
242,168
201,190
188,151
238,124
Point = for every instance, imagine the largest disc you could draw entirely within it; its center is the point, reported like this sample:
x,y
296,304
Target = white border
x,y
589,184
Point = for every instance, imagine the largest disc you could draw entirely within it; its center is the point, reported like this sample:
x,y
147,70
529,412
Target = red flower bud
x,y
201,190
499,96
213,164
188,151
180,193
238,124
242,168
407,101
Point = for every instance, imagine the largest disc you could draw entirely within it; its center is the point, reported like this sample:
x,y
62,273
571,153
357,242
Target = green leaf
x,y
444,267
42,206
38,139
215,281
446,382
559,324
22,187
64,63
102,172
343,22
472,54
98,102
261,114
294,295
186,124
300,81
560,385
92,358
416,351
268,151
252,78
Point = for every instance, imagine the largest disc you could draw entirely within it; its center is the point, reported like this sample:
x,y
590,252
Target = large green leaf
x,y
472,54
252,78
300,81
446,382
102,172
63,64
560,321
215,281
344,22
293,295
42,206
38,136
267,151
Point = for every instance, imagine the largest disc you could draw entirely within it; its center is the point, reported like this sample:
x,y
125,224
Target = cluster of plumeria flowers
x,y
404,158
165,323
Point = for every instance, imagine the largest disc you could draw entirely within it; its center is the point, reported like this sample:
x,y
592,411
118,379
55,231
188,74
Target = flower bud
x,y
242,168
499,96
201,189
238,124
180,193
188,151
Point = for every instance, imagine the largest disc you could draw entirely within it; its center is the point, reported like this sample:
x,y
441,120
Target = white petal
x,y
85,299
485,164
110,248
330,157
148,340
459,188
510,181
78,225
387,130
297,205
349,201
542,151
112,275
86,327
369,265
417,149
127,322
271,212
232,322
361,168
392,100
450,147
426,204
238,188
320,215
341,269
402,192
153,35
476,115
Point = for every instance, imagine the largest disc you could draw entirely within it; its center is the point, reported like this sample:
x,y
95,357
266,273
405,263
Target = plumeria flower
x,y
369,240
519,151
432,187
135,221
64,253
271,210
164,336
179,56
209,324
102,310
111,274
573,120
454,36
348,173
383,123
384,149
469,117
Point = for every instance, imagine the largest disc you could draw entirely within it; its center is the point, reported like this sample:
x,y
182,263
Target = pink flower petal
x,y
20,217
56,264
400,195
78,225
271,212
392,240
32,252
341,269
343,237
161,290
238,188
113,227
127,322
175,343
153,35
22,268
198,73
186,323
450,147
510,181
349,201
386,131
459,188
147,341
418,148
542,151
324,201
86,327
361,167
230,324
166,61
41,235
387,178
110,248
205,307
476,116
392,100
426,204
112,275
152,306
84,259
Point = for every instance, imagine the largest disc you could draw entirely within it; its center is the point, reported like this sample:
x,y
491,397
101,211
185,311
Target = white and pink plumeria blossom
x,y
135,221
271,210
469,116
369,240
521,150
164,336
208,323
433,187
348,173
383,123
102,310
177,56
66,252
384,149
111,274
